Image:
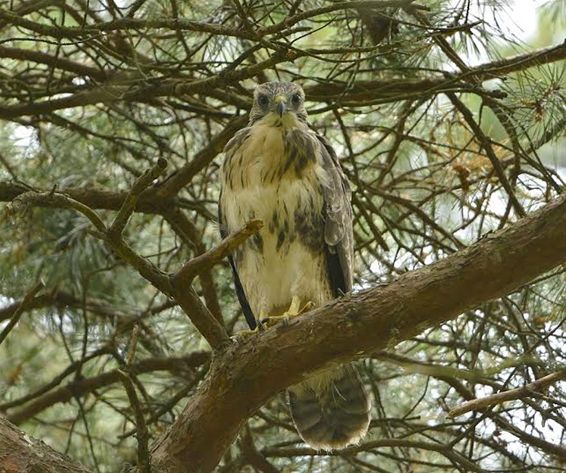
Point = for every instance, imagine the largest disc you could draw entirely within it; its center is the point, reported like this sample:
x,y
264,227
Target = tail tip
x,y
336,440
327,420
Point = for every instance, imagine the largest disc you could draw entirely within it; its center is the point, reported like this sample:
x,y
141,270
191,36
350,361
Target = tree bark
x,y
245,374
20,453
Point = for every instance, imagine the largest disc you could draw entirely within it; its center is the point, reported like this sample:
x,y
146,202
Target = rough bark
x,y
247,373
20,453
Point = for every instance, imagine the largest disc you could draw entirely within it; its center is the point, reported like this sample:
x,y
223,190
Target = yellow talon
x,y
258,328
293,310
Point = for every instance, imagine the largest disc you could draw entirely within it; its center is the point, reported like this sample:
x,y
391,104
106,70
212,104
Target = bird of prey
x,y
279,170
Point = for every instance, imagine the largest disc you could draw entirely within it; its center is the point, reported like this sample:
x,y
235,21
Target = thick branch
x,y
53,61
95,198
21,454
242,378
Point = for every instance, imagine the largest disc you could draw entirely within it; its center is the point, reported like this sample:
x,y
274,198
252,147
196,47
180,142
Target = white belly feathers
x,y
287,258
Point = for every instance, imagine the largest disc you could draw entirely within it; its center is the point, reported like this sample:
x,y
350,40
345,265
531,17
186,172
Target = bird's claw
x,y
244,334
294,310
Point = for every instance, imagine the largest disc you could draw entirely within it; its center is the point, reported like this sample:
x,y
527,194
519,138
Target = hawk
x,y
279,170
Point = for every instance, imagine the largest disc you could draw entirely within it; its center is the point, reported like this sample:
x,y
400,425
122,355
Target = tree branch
x,y
129,204
510,395
248,373
357,92
20,453
20,309
178,286
82,386
212,257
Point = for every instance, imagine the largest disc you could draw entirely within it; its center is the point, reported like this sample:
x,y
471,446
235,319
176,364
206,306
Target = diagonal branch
x,y
183,176
177,286
486,145
129,204
510,395
248,373
205,261
17,313
188,299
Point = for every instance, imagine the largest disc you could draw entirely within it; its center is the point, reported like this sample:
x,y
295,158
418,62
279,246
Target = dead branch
x,y
531,389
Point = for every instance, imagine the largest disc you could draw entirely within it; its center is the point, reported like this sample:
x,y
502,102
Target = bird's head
x,y
281,103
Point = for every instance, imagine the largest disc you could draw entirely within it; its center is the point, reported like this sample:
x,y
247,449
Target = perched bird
x,y
279,170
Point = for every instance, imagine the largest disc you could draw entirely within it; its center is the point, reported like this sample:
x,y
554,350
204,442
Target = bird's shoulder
x,y
237,140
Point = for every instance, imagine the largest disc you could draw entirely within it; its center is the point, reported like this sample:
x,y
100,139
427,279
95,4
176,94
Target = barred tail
x,y
331,410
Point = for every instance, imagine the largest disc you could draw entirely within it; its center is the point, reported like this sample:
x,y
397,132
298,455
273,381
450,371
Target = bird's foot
x,y
294,310
244,334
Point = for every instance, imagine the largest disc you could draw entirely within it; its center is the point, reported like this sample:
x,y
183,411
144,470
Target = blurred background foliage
x,y
94,92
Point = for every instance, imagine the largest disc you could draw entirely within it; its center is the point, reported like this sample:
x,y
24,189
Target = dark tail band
x,y
331,410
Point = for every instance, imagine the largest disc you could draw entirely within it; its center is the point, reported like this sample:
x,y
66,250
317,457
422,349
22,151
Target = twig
x,y
212,330
142,434
129,204
28,298
141,427
486,145
132,345
512,394
205,261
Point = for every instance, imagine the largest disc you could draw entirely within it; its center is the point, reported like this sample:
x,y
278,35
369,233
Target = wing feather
x,y
338,233
246,309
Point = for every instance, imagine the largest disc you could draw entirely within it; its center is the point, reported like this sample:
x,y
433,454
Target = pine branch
x,y
531,389
247,374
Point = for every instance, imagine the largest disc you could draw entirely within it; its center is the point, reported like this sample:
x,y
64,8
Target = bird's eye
x,y
263,100
296,99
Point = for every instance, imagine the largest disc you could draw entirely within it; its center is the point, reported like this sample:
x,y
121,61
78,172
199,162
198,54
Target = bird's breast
x,y
263,180
268,154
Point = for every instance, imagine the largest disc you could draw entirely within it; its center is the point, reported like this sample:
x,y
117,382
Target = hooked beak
x,y
281,107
